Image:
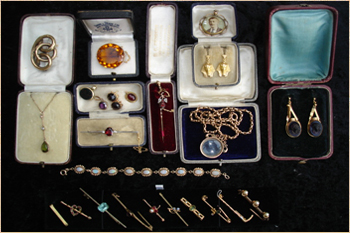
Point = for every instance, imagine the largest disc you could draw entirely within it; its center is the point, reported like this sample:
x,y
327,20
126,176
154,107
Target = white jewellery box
x,y
215,56
109,112
44,107
193,141
113,50
161,67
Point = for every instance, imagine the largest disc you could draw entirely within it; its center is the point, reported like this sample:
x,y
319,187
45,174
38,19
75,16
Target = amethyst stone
x,y
294,129
315,129
102,105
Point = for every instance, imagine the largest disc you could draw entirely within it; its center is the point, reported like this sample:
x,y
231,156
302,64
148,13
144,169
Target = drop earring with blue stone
x,y
314,126
293,126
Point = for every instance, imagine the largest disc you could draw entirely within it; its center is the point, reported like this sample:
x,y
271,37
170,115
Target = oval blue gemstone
x,y
294,129
212,147
316,128
103,207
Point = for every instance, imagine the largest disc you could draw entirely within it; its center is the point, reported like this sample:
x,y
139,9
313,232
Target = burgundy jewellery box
x,y
44,107
300,57
161,43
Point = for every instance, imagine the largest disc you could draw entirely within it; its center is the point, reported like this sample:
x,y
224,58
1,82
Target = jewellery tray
x,y
243,149
300,53
201,14
161,42
89,127
43,85
116,27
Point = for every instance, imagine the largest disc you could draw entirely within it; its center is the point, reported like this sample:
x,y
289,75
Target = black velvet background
x,y
300,197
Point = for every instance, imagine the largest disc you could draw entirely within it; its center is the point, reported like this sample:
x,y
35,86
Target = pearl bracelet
x,y
145,172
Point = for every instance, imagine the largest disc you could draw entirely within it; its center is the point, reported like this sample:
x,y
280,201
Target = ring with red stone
x,y
111,56
109,131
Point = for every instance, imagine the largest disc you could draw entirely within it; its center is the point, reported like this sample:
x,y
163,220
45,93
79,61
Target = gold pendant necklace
x,y
44,145
213,120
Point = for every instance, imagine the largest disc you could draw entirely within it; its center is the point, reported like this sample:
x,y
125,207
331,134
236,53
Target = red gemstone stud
x,y
131,97
109,131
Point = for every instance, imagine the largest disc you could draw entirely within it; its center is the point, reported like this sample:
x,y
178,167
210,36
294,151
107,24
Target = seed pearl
x,y
245,193
266,215
256,203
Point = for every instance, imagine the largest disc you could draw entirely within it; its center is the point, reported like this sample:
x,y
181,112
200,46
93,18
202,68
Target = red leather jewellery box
x,y
113,50
300,57
239,95
44,107
109,117
161,45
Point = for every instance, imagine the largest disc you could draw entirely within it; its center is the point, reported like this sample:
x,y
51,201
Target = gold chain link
x,y
216,118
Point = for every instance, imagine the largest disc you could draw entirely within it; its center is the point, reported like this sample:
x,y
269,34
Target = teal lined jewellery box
x,y
300,58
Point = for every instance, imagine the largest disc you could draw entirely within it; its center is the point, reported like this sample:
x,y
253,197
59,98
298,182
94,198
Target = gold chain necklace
x,y
215,142
44,145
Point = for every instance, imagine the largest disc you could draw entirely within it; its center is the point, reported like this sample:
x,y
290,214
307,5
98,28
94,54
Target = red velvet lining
x,y
169,142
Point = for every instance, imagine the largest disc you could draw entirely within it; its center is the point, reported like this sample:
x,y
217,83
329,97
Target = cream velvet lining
x,y
117,139
200,11
215,52
61,71
161,39
102,90
245,89
57,121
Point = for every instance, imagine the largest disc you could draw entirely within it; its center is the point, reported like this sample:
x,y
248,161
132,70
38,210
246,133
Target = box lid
x,y
106,23
301,43
62,28
161,41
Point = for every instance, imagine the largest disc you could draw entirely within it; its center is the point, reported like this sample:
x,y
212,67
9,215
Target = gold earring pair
x,y
208,69
293,126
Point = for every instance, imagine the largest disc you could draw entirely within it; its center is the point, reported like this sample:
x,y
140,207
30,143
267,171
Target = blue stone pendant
x,y
293,126
314,126
212,147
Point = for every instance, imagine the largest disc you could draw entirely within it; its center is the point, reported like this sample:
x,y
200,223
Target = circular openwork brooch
x,y
112,55
213,24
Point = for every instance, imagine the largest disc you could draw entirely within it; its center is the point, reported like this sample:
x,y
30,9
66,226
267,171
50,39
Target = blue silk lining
x,y
301,42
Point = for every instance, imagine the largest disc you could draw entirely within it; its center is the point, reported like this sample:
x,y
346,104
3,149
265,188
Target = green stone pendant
x,y
44,147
